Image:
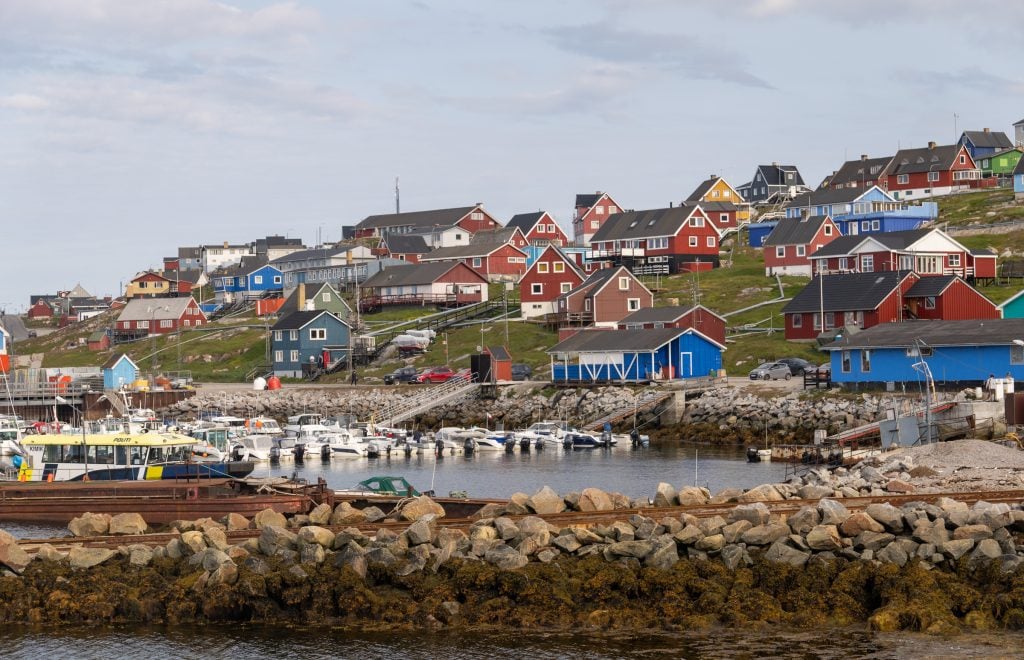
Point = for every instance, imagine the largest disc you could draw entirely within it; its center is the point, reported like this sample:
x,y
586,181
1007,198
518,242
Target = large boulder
x,y
269,517
664,556
734,531
314,535
346,514
127,524
506,557
11,554
321,514
765,534
933,532
762,493
421,506
756,513
824,537
216,538
47,552
858,523
420,532
781,553
235,521
595,499
274,538
832,512
546,500
192,542
973,532
888,515
80,557
804,520
90,524
665,495
638,549
692,496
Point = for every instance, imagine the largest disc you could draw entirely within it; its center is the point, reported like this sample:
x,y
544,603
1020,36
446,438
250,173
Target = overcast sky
x,y
134,126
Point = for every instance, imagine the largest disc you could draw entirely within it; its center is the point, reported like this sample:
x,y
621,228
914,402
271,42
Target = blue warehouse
x,y
955,352
634,356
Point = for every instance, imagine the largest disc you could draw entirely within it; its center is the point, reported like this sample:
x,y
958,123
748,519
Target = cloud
x,y
24,102
870,12
972,78
686,54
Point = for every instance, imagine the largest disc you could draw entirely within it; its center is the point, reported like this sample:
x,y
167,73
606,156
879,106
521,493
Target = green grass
x,y
975,207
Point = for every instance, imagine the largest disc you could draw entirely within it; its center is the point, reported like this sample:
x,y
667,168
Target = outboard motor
x,y
567,441
524,444
325,453
407,448
372,451
236,453
469,446
539,444
300,451
275,454
439,447
510,444
752,455
634,438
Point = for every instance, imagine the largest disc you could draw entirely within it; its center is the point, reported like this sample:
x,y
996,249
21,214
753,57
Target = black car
x,y
521,372
401,375
797,366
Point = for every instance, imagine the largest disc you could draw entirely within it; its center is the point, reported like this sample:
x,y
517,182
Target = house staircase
x,y
429,397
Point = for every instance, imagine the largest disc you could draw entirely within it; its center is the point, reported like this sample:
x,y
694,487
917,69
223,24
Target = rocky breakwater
x,y
936,567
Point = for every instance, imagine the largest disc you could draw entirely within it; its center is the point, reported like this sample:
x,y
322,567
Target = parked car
x,y
401,375
771,371
521,372
797,366
435,375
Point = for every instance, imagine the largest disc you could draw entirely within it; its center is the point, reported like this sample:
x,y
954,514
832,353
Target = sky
x,y
132,127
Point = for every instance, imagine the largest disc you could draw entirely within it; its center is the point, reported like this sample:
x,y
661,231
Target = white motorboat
x,y
212,445
494,441
255,448
347,445
312,443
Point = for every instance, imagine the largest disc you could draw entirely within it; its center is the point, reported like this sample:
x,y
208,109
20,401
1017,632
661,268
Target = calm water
x,y
240,641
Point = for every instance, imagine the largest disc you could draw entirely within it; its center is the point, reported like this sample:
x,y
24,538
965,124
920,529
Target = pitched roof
x,y
830,196
434,218
987,332
494,236
930,285
1020,167
893,240
525,221
189,252
413,274
296,320
592,341
796,231
406,244
846,292
703,187
988,139
115,358
322,253
79,292
774,175
155,309
466,251
597,280
923,159
716,207
643,224
663,314
862,170
292,301
588,199
499,353
247,264
573,266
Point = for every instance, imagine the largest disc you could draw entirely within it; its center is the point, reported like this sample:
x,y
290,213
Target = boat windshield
x,y
171,454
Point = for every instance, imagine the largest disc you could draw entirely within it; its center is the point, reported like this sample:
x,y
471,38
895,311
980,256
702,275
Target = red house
x,y
605,298
146,316
592,210
442,283
405,247
931,171
673,240
551,275
723,215
539,228
40,310
923,251
495,259
699,318
788,248
471,218
864,300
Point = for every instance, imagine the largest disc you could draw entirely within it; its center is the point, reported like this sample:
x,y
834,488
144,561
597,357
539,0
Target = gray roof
x,y
923,159
1020,167
702,188
988,139
525,221
189,252
495,237
796,231
596,280
827,196
499,352
406,243
435,218
246,265
893,240
987,332
930,285
588,199
642,224
847,292
411,275
296,320
862,170
154,309
716,207
292,301
302,255
662,314
774,175
593,341
464,251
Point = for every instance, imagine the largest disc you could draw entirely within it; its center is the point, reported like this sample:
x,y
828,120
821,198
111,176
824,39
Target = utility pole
x,y
505,300
398,205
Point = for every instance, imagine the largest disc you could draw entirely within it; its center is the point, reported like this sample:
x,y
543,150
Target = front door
x,y
685,368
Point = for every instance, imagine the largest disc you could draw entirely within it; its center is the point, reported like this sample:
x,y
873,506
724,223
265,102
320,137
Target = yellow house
x,y
717,189
148,285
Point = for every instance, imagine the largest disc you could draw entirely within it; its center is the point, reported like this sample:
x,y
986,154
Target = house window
x,y
326,297
963,159
187,323
798,320
257,279
595,224
278,356
697,221
536,288
542,266
612,209
846,362
277,335
623,284
558,267
714,193
317,334
801,250
633,304
865,360
277,279
929,302
843,263
142,325
902,179
476,215
693,241
876,225
933,176
828,230
477,262
780,251
599,210
723,218
293,335
865,226
711,241
566,287
929,264
586,305
166,323
293,356
830,320
867,263
513,260
954,260
1016,354
458,237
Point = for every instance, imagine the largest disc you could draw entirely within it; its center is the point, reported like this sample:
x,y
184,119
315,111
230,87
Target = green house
x,y
322,298
1000,163
1013,308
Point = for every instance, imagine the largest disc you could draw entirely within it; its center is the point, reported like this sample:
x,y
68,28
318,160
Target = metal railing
x,y
430,397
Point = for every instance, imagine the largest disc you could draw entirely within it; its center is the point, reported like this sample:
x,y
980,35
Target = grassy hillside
x,y
982,208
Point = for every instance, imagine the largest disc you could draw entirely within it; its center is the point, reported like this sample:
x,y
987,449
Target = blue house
x,y
251,279
1018,181
859,211
958,352
307,341
634,355
1013,308
119,371
984,142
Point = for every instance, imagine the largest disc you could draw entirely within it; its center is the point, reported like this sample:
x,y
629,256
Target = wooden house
x,y
149,284
788,248
445,283
698,317
142,317
495,260
714,190
1013,307
40,310
312,298
309,341
931,171
947,298
119,372
773,182
552,274
605,298
404,247
539,228
862,174
984,142
471,218
98,341
673,240
501,362
1001,163
591,211
251,279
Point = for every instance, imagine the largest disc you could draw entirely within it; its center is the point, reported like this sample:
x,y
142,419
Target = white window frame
x,y
798,320
723,218
278,335
933,176
278,356
801,250
478,262
929,302
142,325
828,230
537,288
566,287
633,304
542,266
257,279
865,360
599,210
780,251
697,221
166,323
293,355
595,224
867,263
623,284
902,179
954,260
293,335
318,334
710,241
558,267
693,241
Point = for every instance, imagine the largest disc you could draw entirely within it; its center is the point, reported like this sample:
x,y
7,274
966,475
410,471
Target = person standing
x,y
354,378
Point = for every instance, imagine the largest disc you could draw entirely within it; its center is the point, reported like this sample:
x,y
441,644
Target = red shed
x,y
501,362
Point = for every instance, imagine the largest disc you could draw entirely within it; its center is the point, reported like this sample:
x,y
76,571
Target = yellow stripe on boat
x,y
155,472
152,439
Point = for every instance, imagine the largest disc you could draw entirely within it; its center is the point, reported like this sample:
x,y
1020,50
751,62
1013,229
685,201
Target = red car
x,y
435,375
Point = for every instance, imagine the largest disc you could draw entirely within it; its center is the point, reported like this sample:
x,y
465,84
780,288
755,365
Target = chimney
x,y
302,297
931,145
775,164
863,156
987,130
670,204
226,245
